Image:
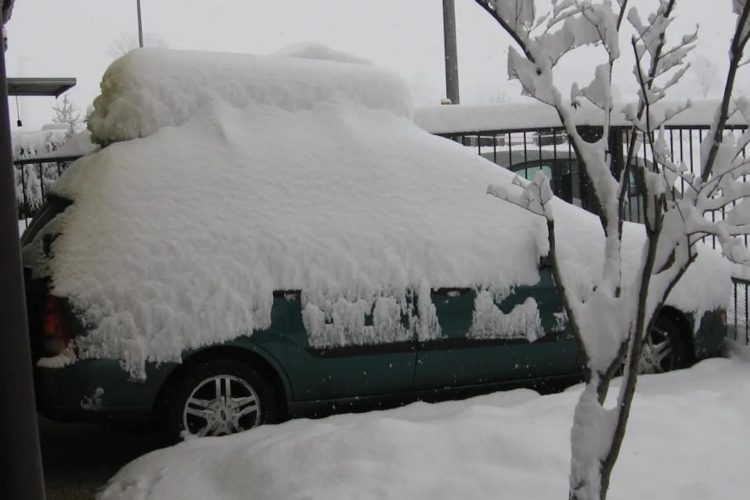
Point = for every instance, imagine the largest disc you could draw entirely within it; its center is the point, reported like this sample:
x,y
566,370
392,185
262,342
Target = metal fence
x,y
527,151
34,179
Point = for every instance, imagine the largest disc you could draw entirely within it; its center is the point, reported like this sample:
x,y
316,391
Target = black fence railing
x,y
34,179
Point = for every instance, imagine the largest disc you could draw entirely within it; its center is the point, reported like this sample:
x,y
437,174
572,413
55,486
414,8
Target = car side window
x,y
454,308
525,313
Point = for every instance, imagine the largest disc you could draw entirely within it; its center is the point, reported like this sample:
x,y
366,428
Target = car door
x,y
487,339
375,365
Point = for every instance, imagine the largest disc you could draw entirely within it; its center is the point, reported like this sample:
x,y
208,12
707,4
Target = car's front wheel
x,y
665,348
218,398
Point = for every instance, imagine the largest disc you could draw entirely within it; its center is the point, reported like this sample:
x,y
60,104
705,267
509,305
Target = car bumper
x,y
96,390
709,338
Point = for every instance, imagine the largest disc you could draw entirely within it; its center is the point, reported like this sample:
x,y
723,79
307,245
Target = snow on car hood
x,y
178,239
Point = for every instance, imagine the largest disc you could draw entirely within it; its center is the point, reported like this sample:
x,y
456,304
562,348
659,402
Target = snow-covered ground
x,y
687,440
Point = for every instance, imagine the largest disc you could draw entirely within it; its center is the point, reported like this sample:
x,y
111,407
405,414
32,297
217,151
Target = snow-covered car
x,y
264,237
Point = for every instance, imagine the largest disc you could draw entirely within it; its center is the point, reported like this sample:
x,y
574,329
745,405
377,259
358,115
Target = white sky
x,y
62,38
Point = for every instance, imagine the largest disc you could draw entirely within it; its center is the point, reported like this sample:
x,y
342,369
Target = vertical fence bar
x,y
25,204
41,181
510,150
747,312
734,303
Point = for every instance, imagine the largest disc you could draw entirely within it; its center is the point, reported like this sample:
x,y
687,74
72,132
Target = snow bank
x,y
687,439
152,88
177,240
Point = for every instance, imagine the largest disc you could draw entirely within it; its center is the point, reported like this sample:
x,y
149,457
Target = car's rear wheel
x,y
218,398
665,348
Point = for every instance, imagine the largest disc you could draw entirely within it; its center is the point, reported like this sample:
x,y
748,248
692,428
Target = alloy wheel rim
x,y
221,405
657,354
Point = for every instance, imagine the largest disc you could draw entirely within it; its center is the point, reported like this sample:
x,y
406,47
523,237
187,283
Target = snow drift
x,y
285,174
687,441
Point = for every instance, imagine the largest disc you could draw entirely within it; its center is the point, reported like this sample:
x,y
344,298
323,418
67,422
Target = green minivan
x,y
266,237
276,373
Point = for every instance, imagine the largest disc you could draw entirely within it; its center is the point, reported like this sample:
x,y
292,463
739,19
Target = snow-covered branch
x,y
736,51
533,196
611,320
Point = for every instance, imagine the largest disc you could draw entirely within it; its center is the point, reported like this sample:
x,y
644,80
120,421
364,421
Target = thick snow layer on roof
x,y
532,114
152,88
178,239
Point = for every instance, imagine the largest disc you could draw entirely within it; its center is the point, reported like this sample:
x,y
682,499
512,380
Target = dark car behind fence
x,y
522,150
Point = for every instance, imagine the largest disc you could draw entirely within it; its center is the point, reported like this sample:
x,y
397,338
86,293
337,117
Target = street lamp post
x,y
140,25
451,56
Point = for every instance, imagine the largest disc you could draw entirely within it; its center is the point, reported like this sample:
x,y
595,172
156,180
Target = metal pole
x,y
140,25
21,475
451,57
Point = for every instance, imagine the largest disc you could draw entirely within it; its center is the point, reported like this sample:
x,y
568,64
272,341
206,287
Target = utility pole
x,y
140,25
20,459
451,57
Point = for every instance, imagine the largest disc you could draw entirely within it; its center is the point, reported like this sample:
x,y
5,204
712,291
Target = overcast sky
x,y
64,38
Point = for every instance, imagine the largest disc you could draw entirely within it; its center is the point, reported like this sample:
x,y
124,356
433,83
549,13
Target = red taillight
x,y
55,325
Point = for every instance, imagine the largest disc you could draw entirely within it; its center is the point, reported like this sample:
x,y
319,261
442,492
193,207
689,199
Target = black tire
x,y
666,348
219,397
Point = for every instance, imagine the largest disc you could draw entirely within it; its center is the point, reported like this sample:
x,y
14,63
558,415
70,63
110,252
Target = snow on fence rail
x,y
525,145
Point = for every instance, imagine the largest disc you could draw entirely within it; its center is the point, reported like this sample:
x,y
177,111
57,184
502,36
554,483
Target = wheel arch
x,y
264,364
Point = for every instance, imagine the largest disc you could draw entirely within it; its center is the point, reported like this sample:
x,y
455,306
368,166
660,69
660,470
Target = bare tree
x,y
129,41
67,112
613,341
